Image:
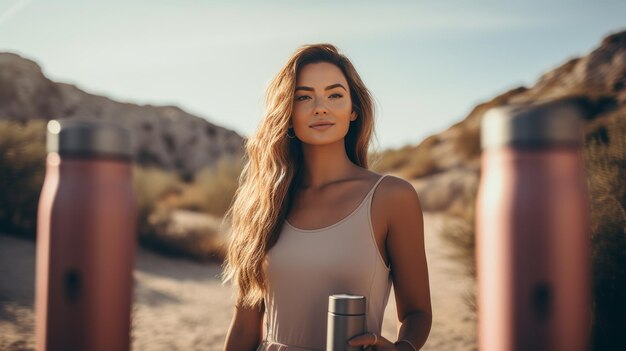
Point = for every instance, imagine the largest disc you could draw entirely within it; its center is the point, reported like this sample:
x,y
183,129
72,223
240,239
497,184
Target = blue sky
x,y
426,62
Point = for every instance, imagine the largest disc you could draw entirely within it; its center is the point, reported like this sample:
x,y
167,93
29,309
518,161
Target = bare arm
x,y
405,245
406,252
246,329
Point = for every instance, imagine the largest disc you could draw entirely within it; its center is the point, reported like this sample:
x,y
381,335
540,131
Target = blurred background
x,y
188,78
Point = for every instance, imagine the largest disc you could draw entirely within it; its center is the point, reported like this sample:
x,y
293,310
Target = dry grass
x,y
408,162
460,232
152,185
605,160
163,197
467,144
213,188
22,167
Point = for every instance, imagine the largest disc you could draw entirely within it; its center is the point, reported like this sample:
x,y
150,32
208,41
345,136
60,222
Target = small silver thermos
x,y
346,319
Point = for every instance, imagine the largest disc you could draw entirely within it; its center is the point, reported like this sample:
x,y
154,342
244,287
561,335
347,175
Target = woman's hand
x,y
371,341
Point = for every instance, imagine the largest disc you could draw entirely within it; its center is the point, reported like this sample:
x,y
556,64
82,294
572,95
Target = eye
x,y
336,95
302,97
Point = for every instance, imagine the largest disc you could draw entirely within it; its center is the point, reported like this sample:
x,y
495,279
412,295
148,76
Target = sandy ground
x,y
181,305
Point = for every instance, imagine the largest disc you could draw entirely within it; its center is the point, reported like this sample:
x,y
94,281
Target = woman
x,y
310,220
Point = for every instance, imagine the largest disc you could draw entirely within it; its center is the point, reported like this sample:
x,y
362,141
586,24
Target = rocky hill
x,y
166,137
445,167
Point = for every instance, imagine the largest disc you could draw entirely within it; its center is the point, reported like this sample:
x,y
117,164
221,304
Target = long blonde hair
x,y
272,171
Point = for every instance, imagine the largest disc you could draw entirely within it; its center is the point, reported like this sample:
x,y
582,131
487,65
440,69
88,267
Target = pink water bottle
x,y
85,239
532,244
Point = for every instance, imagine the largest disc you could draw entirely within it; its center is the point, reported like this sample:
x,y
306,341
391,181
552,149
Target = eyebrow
x,y
337,85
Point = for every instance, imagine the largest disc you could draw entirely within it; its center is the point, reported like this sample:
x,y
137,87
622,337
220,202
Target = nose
x,y
320,109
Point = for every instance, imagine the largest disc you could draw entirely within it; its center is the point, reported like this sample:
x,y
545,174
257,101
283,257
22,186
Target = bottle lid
x,y
548,124
88,138
346,304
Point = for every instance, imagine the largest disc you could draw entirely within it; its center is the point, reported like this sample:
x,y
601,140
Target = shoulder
x,y
393,190
392,187
398,199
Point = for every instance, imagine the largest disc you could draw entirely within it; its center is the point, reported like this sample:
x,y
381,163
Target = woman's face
x,y
322,95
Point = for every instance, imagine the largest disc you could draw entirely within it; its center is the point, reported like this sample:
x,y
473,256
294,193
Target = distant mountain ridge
x,y
445,167
442,167
165,136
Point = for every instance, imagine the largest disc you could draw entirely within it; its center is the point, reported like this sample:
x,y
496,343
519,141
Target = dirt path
x,y
181,305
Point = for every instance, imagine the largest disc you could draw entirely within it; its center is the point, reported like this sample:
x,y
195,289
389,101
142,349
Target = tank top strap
x,y
375,186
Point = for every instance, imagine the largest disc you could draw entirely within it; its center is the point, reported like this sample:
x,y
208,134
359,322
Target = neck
x,y
324,164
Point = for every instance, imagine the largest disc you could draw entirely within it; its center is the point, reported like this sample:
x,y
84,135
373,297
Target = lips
x,y
321,123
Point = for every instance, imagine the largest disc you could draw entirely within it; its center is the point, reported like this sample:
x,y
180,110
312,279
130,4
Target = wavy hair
x,y
272,171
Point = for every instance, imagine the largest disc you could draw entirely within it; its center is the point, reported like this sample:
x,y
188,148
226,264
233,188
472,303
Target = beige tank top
x,y
307,266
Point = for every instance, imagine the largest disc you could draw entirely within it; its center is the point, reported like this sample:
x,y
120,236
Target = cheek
x,y
299,109
342,107
299,114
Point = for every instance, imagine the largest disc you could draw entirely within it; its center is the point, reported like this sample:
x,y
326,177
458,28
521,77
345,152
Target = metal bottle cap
x,y
555,123
87,138
346,304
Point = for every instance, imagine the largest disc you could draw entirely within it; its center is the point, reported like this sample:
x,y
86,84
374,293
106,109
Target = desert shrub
x,y
467,143
22,169
420,165
391,159
605,162
408,162
458,232
164,197
213,188
152,185
196,235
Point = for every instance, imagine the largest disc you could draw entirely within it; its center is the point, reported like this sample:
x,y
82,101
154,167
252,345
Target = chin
x,y
322,140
